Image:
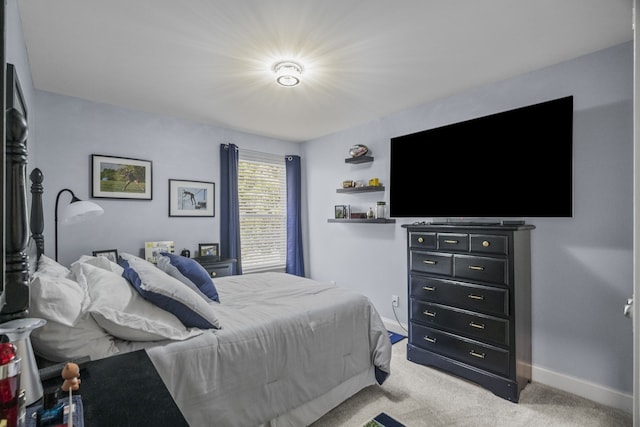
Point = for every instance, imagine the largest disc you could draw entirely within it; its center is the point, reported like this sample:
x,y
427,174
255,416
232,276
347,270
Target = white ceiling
x,y
210,60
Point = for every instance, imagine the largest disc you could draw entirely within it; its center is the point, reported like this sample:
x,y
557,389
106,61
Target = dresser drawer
x,y
453,242
484,269
217,267
484,299
469,324
489,244
482,356
432,262
219,271
422,240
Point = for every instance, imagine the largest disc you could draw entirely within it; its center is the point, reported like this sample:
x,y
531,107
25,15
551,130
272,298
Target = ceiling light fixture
x,y
288,73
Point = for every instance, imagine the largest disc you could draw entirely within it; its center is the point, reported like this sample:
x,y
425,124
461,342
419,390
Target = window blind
x,y
263,211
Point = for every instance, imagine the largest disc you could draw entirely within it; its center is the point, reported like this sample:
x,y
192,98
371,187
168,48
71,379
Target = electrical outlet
x,y
395,300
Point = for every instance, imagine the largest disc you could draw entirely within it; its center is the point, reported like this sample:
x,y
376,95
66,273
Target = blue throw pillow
x,y
189,272
168,293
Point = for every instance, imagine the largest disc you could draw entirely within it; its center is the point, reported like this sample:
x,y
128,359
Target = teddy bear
x,y
71,375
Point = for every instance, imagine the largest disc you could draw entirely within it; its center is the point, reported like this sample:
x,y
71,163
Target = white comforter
x,y
285,341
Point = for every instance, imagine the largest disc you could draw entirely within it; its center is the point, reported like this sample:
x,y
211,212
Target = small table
x,y
217,266
124,390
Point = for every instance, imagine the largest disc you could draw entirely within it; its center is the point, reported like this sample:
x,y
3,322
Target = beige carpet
x,y
417,395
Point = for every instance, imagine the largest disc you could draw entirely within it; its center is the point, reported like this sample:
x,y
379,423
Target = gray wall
x,y
68,130
582,266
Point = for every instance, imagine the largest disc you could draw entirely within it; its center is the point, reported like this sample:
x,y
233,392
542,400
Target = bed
x,y
274,350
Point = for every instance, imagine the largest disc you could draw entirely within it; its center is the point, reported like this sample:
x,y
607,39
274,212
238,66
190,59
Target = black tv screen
x,y
512,164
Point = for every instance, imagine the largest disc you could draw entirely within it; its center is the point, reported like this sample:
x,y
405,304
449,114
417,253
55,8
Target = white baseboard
x,y
394,326
577,386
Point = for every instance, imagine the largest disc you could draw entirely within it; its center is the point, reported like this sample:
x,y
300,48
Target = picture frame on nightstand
x,y
208,250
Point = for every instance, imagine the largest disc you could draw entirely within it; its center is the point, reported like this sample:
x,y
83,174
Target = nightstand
x,y
124,390
216,266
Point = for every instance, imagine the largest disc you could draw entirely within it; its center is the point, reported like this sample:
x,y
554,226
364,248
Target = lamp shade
x,y
79,211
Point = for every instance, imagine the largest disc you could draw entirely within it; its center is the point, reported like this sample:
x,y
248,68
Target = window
x,y
263,211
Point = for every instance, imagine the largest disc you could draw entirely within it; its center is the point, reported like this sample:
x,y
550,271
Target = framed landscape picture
x,y
191,198
120,178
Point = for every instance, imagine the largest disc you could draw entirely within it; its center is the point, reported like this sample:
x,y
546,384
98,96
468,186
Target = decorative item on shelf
x,y
370,214
348,184
186,253
358,150
381,208
374,182
358,215
341,211
359,183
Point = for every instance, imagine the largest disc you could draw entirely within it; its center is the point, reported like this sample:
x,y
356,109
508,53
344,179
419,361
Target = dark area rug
x,y
383,420
395,337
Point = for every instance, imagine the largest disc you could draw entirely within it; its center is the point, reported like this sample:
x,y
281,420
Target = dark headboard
x,y
16,285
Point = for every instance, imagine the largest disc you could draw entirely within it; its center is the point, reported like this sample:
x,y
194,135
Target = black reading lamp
x,y
76,211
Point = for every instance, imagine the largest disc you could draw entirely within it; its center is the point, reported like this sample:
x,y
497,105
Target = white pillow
x,y
118,308
59,343
57,299
100,261
50,267
169,293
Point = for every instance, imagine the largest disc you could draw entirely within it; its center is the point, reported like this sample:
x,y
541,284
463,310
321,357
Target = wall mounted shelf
x,y
365,189
359,159
364,220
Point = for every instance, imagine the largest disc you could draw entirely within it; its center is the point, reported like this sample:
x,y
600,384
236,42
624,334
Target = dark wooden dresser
x,y
469,299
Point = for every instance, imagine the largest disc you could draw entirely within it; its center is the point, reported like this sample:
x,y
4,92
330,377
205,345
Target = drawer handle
x,y
420,239
478,297
477,325
213,274
429,288
429,261
429,313
486,243
429,339
476,267
476,354
452,242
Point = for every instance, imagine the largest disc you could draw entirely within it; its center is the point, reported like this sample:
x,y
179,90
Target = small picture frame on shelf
x,y
208,250
341,211
110,254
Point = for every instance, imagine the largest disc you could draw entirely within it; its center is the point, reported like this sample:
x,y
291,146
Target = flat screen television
x,y
512,164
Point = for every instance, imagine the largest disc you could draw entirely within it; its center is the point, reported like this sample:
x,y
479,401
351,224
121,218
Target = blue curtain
x,y
295,260
229,207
